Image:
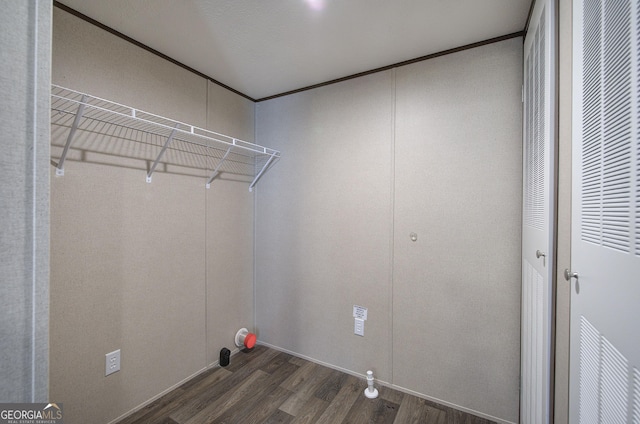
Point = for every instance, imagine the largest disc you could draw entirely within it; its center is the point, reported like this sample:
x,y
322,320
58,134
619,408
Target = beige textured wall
x,y
456,291
229,228
434,148
25,64
229,263
229,113
145,268
323,223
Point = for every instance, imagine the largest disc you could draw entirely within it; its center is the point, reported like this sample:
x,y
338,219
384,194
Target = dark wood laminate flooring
x,y
268,386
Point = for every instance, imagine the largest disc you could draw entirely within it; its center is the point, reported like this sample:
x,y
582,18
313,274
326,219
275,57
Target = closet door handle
x,y
539,254
568,275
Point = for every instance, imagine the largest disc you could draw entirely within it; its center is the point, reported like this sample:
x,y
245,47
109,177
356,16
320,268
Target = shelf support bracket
x,y
264,168
164,149
72,132
215,171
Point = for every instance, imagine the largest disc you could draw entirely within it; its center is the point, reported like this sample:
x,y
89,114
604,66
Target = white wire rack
x,y
85,114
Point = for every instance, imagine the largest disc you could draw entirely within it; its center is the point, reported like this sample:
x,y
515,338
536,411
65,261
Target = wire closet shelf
x,y
105,122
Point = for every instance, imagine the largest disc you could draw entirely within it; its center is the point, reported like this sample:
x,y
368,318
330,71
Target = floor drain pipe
x,y
370,392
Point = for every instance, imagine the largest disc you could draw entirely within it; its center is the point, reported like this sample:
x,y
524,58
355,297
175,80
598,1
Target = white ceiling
x,y
267,47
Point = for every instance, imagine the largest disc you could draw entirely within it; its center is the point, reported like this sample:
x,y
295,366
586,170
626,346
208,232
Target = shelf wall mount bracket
x,y
164,149
215,172
264,168
72,132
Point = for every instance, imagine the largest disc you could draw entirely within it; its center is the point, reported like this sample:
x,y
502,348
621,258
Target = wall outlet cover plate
x,y
359,327
112,362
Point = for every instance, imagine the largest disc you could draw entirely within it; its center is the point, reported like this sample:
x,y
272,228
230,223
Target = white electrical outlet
x,y
359,327
112,362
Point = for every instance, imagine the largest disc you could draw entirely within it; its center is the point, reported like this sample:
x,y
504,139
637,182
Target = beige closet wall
x,y
25,65
456,312
432,148
162,271
324,223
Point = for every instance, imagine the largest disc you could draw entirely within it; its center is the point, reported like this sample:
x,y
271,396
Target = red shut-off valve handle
x,y
245,339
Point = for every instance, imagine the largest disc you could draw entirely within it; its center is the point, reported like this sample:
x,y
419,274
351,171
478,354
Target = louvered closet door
x,y
538,207
605,250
